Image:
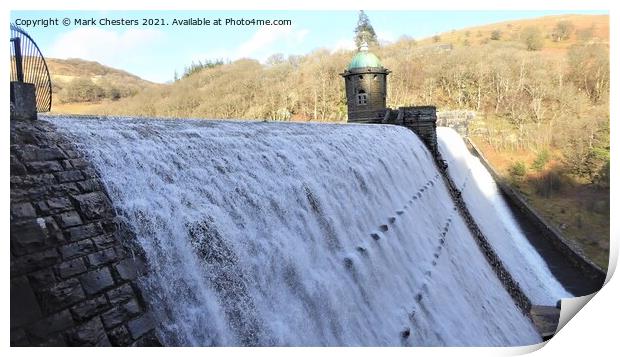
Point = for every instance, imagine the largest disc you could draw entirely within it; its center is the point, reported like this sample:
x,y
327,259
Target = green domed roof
x,y
364,59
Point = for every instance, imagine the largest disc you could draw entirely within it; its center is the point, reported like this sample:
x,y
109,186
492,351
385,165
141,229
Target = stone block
x,y
23,210
68,219
65,145
94,205
90,333
97,281
83,232
69,176
111,226
67,188
127,269
120,314
121,252
54,233
34,193
41,206
89,308
24,305
55,205
61,295
77,249
105,241
66,164
79,163
102,257
34,153
41,167
71,268
119,336
89,185
141,325
71,154
121,294
89,173
31,181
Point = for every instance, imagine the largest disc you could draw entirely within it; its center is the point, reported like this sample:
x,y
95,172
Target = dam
x,y
129,231
285,234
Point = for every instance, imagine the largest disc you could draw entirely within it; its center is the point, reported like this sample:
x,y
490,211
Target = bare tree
x,y
562,31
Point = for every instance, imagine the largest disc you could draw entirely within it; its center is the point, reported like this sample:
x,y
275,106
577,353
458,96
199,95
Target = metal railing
x,y
28,65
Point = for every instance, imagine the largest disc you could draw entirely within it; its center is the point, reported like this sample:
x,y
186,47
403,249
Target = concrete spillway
x,y
495,219
302,234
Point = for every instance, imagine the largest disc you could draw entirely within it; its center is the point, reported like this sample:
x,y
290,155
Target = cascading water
x,y
490,211
297,234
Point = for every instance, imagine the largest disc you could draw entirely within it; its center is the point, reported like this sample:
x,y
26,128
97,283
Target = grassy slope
x,y
63,72
510,31
579,211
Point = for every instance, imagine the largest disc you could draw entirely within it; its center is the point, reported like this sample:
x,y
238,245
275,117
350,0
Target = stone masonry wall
x,y
456,119
503,275
73,279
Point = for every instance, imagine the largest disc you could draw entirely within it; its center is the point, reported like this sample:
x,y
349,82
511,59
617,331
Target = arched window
x,y
362,97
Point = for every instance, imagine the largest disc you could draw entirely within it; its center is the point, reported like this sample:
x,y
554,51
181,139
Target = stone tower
x,y
365,82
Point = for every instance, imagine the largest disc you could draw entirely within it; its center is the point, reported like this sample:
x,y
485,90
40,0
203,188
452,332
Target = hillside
x,y
540,88
588,28
309,87
77,83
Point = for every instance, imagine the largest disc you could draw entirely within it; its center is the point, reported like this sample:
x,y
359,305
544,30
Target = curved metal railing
x,y
28,65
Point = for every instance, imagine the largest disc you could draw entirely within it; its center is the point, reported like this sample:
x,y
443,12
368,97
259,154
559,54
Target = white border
x,y
589,333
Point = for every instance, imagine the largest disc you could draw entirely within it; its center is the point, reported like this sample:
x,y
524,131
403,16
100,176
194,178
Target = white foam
x,y
494,218
261,233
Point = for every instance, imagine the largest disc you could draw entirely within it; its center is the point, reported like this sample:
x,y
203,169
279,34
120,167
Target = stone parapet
x,y
23,101
456,119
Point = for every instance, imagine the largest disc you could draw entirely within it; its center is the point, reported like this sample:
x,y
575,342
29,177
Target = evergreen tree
x,y
364,32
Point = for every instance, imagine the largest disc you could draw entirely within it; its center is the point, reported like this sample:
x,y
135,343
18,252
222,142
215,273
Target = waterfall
x,y
289,234
497,222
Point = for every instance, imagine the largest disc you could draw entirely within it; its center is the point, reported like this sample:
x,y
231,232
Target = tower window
x,y
362,98
361,77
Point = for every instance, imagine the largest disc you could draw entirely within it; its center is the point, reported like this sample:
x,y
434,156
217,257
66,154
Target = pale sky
x,y
154,52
